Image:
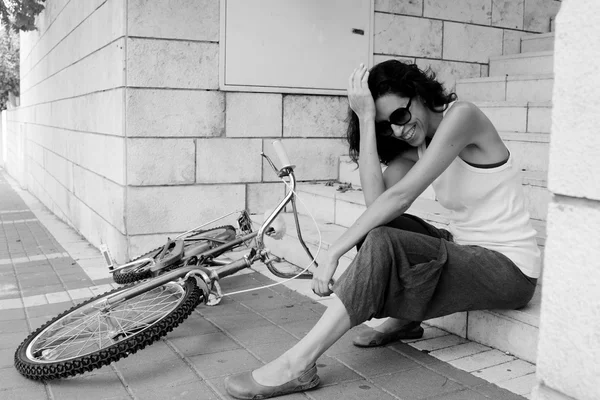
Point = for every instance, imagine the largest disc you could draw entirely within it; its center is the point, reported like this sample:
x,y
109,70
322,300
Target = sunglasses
x,y
400,116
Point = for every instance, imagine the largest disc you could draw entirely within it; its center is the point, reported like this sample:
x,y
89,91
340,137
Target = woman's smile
x,y
407,135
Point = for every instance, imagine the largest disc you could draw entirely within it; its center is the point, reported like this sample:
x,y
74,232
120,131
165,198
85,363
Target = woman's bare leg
x,y
331,326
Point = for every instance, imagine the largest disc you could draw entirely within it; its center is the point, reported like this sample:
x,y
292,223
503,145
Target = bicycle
x,y
171,282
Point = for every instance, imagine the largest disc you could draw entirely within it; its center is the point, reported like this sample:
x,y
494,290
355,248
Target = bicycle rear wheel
x,y
208,239
92,334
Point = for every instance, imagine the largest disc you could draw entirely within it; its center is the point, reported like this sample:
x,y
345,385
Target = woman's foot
x,y
276,378
390,331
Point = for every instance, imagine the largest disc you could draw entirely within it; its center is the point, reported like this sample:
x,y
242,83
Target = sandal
x,y
373,338
244,386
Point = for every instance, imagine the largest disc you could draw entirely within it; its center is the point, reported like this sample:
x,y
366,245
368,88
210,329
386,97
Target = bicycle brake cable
x,y
307,267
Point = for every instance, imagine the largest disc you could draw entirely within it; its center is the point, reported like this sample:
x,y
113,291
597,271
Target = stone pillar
x,y
568,365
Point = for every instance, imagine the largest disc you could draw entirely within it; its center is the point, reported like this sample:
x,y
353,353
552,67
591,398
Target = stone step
x,y
535,43
513,331
518,116
506,88
531,63
330,206
529,149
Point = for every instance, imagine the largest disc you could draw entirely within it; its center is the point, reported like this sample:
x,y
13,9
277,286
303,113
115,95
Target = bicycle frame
x,y
205,277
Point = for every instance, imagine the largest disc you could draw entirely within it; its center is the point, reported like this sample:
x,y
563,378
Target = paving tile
x,y
37,392
375,361
42,290
461,395
355,390
290,313
9,304
11,326
48,310
300,328
506,371
439,342
204,344
269,351
497,393
12,339
6,315
104,385
459,351
157,372
259,335
10,378
194,390
421,357
192,326
239,321
456,374
522,385
481,360
418,383
37,300
6,357
224,363
57,297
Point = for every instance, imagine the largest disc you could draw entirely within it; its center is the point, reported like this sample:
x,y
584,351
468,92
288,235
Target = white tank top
x,y
487,208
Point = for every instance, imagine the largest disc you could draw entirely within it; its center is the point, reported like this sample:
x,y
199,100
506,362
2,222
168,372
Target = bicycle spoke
x,y
101,325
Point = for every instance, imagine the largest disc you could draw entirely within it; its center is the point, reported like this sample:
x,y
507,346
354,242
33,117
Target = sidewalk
x,y
46,267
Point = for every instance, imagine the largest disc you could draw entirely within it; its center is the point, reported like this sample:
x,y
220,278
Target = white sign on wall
x,y
293,46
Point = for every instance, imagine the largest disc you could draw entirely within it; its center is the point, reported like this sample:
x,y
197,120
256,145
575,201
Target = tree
x,y
20,14
9,64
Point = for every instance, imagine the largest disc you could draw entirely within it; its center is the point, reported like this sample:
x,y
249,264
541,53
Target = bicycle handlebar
x,y
282,155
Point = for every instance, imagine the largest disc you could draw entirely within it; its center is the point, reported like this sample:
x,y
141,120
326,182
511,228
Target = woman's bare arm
x,y
457,130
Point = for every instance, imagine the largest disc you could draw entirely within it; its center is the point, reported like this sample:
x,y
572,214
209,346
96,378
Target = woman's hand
x,y
359,95
322,282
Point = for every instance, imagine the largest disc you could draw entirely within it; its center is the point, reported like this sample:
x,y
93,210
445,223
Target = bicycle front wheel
x,y
94,333
202,240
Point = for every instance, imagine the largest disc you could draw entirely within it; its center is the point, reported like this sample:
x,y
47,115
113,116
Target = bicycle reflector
x,y
107,258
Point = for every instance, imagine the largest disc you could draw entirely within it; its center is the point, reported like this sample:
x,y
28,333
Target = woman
x,y
407,269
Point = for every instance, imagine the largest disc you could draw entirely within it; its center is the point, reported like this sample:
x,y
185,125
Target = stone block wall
x,y
66,140
568,364
456,38
124,133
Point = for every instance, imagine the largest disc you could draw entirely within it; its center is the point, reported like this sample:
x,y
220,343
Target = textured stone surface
x,y
102,154
87,113
254,114
407,36
160,161
106,198
511,43
263,196
172,64
463,42
179,208
508,13
155,112
101,70
471,11
538,13
406,7
101,27
314,116
177,19
448,72
228,160
314,158
569,352
377,58
60,19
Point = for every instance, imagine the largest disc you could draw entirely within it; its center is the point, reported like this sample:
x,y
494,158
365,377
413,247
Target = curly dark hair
x,y
406,80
